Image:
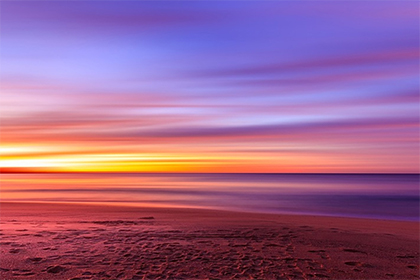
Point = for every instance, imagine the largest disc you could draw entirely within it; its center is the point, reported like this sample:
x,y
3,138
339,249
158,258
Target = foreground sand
x,y
52,241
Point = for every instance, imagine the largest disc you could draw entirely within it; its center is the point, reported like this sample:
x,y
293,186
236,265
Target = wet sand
x,y
59,241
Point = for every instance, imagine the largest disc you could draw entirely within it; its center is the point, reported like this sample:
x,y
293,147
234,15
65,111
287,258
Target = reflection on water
x,y
376,196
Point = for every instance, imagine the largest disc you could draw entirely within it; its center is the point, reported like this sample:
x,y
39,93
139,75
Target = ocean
x,y
379,196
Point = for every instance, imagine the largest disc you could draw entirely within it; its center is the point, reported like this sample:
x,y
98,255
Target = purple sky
x,y
264,86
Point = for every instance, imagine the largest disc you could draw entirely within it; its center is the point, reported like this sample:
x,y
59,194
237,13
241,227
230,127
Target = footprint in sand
x,y
354,251
353,263
35,260
413,266
358,264
55,269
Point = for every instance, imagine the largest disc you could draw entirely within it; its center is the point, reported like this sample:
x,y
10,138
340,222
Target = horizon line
x,y
185,173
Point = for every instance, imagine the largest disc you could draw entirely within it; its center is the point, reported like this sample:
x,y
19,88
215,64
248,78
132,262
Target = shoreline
x,y
82,241
409,229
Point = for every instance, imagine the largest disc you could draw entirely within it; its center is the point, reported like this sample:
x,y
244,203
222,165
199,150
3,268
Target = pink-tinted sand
x,y
59,241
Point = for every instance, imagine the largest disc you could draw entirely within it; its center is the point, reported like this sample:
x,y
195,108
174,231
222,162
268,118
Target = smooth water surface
x,y
357,195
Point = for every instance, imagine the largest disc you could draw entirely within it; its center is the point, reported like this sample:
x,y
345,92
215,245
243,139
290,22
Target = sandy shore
x,y
58,241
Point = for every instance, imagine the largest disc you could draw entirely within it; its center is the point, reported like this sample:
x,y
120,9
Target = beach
x,y
189,140
80,241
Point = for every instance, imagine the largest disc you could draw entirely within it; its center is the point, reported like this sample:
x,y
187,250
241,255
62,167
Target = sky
x,y
210,86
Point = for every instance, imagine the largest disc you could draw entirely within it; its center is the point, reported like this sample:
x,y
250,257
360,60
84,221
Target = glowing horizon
x,y
270,87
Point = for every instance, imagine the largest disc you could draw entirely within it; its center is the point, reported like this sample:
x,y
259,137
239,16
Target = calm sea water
x,y
370,196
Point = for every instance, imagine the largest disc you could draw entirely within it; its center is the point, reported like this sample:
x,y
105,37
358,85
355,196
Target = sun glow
x,y
14,150
32,163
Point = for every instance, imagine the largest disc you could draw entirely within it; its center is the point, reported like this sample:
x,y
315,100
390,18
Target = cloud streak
x,y
210,86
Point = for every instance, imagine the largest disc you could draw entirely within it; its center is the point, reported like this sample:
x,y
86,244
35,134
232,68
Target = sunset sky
x,y
217,86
